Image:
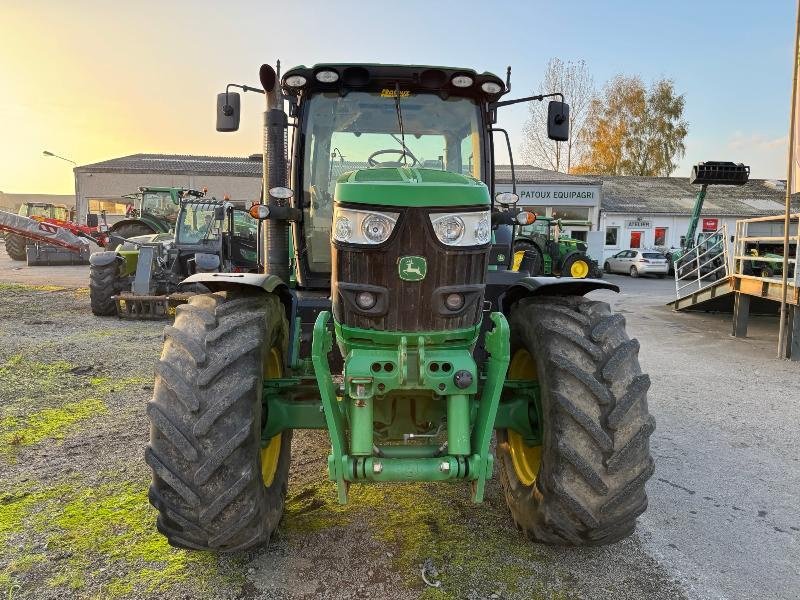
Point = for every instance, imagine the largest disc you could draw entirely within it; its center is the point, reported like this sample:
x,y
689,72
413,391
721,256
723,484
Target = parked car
x,y
638,262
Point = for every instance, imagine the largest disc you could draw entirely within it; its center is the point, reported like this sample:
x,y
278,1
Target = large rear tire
x,y
214,485
585,485
129,230
15,247
104,284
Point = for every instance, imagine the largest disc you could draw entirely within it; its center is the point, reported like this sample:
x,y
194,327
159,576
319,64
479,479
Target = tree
x,y
632,130
574,81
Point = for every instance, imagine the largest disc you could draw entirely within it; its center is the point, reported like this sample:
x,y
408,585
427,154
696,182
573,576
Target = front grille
x,y
408,305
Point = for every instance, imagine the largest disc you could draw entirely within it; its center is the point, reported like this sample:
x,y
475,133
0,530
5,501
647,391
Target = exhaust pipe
x,y
276,231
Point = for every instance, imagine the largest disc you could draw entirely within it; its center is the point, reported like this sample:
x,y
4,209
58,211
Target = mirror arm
x,y
244,88
510,157
540,97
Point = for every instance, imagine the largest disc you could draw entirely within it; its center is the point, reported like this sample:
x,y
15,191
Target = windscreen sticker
x,y
389,93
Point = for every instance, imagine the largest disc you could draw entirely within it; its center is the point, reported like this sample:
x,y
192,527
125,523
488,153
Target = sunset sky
x,y
93,80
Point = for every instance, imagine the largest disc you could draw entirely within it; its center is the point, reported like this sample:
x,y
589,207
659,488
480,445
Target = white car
x,y
638,262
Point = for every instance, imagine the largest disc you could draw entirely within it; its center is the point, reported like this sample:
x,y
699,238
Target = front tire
x,y
15,247
576,266
585,485
214,485
104,284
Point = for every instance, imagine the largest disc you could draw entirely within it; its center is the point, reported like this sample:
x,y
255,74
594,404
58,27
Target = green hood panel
x,y
403,186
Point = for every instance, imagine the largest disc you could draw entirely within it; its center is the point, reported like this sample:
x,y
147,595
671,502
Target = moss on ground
x,y
105,537
24,287
41,400
472,546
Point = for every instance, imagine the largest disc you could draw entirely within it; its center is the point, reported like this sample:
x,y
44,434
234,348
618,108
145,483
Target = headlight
x,y
462,229
362,226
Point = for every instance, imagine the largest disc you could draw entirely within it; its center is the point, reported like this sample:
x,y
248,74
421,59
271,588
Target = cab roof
x,y
375,76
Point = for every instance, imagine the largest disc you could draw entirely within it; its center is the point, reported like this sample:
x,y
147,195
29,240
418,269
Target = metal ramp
x,y
740,286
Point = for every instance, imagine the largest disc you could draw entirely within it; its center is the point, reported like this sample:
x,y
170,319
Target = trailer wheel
x,y
15,246
129,230
585,484
104,284
214,485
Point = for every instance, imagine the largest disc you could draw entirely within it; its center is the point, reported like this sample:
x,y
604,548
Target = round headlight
x,y
281,193
342,229
507,198
365,300
490,87
327,76
295,81
482,231
461,81
376,228
454,301
449,229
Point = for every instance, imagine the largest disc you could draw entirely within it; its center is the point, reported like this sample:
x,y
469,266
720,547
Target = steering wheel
x,y
374,163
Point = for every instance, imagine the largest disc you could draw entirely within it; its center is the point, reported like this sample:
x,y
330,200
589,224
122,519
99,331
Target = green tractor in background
x,y
16,244
141,278
541,249
385,316
154,210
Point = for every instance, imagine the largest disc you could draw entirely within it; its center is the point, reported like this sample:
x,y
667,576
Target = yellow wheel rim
x,y
526,459
272,451
579,269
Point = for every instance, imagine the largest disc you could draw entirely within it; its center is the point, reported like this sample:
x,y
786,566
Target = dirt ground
x,y
75,521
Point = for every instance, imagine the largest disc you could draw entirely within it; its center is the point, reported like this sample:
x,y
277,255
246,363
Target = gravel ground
x,y
74,519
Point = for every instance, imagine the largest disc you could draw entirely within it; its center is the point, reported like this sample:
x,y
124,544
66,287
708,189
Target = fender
x,y
152,224
101,259
217,282
551,286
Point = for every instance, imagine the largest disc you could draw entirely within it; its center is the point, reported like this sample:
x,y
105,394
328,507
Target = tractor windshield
x,y
161,205
361,130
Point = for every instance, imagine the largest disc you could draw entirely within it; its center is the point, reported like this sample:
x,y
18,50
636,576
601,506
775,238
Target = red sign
x,y
710,224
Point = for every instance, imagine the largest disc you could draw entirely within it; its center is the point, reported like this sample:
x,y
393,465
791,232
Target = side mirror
x,y
506,198
219,213
91,220
228,104
558,121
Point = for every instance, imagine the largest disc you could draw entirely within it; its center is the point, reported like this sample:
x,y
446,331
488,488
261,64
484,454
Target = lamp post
x,y
48,153
81,218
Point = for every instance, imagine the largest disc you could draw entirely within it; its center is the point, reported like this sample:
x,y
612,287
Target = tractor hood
x,y
404,186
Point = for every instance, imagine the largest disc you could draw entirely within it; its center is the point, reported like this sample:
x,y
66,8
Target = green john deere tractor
x,y
153,210
541,249
384,315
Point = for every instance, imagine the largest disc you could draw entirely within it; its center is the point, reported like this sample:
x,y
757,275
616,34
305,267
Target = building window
x,y
636,239
612,236
661,236
571,213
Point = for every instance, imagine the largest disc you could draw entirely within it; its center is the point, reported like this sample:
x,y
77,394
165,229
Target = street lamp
x,y
48,153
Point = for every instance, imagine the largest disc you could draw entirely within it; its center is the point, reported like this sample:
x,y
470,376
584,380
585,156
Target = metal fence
x,y
703,264
767,232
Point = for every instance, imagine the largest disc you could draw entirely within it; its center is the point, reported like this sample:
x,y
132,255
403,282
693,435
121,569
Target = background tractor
x,y
153,210
16,244
385,315
552,253
140,278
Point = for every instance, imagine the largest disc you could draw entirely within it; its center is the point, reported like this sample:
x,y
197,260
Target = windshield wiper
x,y
400,122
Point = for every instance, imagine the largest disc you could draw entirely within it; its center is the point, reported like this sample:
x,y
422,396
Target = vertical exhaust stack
x,y
276,231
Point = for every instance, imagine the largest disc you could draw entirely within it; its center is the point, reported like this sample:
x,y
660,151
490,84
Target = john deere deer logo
x,y
412,268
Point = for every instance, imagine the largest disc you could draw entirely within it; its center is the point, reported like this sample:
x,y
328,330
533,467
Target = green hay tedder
x,y
386,312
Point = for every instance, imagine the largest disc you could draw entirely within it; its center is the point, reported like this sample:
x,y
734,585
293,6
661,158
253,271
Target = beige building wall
x,y
115,185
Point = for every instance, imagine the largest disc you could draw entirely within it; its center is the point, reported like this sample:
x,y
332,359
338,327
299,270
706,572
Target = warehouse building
x,y
103,185
654,212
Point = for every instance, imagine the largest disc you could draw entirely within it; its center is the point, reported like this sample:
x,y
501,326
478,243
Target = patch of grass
x,y
472,546
49,423
24,287
107,539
